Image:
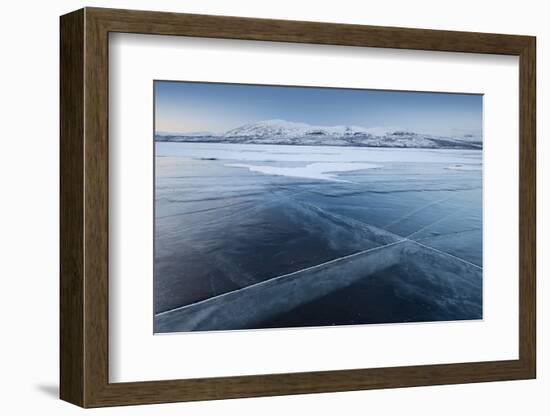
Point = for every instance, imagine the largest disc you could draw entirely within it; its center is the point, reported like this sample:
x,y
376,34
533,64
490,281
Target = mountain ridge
x,y
293,133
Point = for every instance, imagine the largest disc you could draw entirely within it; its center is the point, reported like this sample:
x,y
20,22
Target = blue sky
x,y
193,107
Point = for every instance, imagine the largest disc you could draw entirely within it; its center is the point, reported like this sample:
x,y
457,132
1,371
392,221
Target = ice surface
x,y
446,286
221,229
465,167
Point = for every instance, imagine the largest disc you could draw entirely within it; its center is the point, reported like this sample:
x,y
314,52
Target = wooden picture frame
x,y
84,207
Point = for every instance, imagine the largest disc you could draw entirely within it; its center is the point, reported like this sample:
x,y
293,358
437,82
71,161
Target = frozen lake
x,y
228,216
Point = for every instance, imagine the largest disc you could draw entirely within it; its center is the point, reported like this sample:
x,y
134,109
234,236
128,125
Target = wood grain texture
x,y
527,208
84,207
71,208
96,209
162,23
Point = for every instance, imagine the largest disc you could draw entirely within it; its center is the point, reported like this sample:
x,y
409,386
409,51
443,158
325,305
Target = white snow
x,y
324,171
291,129
232,152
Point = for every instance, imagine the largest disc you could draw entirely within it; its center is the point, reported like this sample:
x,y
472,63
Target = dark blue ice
x,y
410,233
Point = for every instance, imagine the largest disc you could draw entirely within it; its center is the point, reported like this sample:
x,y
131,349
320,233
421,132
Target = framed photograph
x,y
255,207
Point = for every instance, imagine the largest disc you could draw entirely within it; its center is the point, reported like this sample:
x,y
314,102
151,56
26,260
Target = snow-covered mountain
x,y
289,129
287,132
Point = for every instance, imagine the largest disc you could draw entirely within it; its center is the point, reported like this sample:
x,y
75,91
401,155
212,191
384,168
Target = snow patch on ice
x,y
323,171
293,153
